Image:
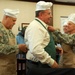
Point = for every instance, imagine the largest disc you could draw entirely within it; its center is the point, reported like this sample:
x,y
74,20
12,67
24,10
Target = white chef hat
x,y
71,18
65,22
42,5
11,13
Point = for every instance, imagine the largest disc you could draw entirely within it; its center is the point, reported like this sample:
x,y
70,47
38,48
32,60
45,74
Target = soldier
x,y
68,43
8,46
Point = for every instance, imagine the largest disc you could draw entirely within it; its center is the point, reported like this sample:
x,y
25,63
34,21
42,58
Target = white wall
x,y
26,15
61,10
27,12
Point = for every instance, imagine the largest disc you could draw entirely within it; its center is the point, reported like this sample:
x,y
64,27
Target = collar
x,y
43,23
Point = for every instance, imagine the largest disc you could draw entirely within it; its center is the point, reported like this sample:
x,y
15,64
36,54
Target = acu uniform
x,y
8,50
68,43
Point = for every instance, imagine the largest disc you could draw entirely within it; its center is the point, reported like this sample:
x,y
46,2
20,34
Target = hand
x,y
59,50
55,65
23,47
50,28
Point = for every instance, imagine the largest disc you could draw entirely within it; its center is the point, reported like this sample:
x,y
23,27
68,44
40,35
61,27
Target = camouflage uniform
x,y
68,42
8,50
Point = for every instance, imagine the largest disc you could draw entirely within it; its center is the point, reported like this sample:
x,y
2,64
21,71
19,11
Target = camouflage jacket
x,y
5,47
65,38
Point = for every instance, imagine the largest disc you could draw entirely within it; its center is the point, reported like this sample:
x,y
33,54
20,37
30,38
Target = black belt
x,y
38,64
33,62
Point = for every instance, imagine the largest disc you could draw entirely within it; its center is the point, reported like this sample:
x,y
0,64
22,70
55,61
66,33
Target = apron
x,y
8,62
37,68
50,48
68,57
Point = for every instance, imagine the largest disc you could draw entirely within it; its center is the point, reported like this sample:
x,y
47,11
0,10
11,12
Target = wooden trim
x,y
24,24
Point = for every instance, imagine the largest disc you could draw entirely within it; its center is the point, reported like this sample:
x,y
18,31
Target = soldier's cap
x,y
71,17
11,13
42,5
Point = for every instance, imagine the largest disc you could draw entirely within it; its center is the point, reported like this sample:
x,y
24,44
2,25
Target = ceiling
x,y
66,2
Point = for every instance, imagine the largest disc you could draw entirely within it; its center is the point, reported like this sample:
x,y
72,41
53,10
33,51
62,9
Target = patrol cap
x,y
71,17
11,13
42,5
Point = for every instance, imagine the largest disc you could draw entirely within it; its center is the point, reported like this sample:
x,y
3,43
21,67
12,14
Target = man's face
x,y
71,26
46,16
65,29
10,22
